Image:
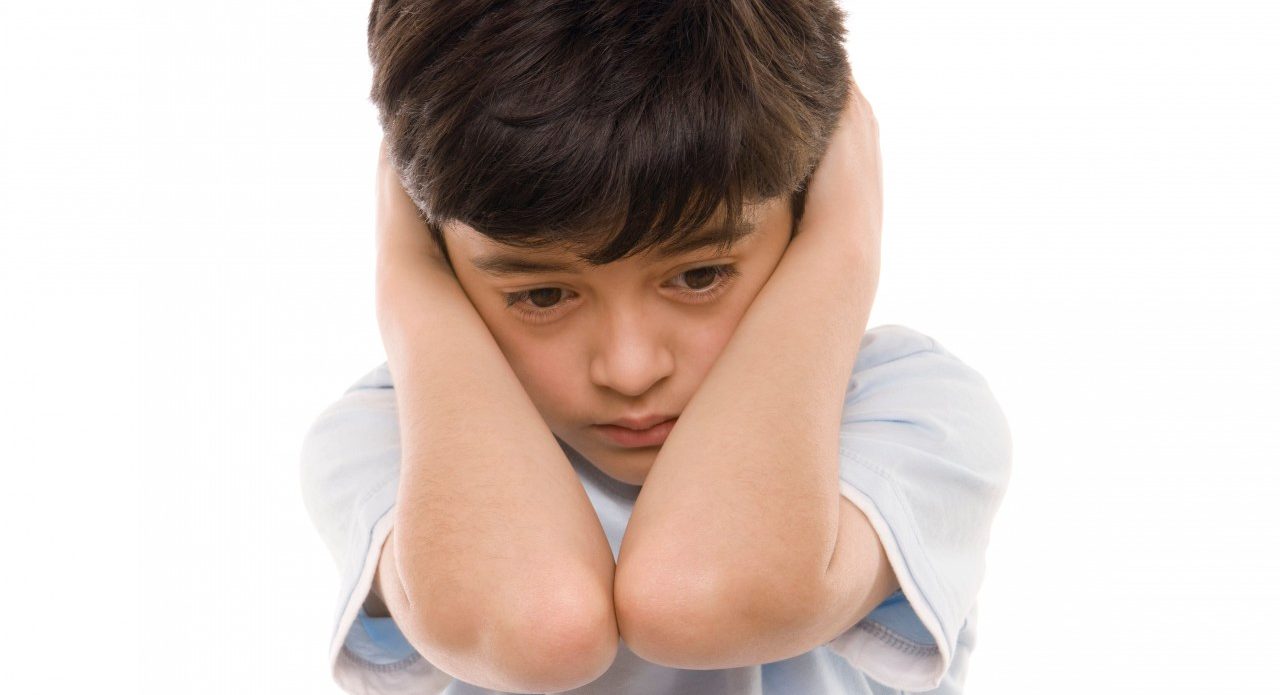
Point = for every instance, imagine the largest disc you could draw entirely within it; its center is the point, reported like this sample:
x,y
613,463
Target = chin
x,y
630,467
631,478
627,474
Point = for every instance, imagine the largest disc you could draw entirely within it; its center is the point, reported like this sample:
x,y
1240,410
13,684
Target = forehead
x,y
500,260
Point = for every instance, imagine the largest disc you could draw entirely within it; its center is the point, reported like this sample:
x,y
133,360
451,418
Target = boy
x,y
638,440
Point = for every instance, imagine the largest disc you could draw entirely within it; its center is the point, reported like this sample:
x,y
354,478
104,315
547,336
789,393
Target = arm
x,y
497,569
740,518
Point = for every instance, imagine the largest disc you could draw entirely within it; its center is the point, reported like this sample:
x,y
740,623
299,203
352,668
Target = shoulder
x,y
889,342
377,378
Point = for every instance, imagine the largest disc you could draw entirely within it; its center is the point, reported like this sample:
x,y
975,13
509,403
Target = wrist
x,y
417,303
402,230
851,241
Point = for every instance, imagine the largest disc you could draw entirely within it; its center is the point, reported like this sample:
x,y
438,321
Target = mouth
x,y
631,439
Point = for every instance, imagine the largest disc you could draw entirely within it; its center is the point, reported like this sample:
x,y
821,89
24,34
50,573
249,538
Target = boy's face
x,y
635,337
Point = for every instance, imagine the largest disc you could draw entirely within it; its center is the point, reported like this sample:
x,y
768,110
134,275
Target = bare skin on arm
x,y
740,523
720,531
497,569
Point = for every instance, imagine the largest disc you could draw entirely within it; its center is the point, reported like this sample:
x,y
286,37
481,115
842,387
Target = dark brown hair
x,y
606,127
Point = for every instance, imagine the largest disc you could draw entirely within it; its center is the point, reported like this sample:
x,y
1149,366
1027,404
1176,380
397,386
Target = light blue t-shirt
x,y
925,453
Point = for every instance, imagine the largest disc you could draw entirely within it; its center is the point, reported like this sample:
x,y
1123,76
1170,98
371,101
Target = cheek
x,y
552,368
707,338
546,369
712,333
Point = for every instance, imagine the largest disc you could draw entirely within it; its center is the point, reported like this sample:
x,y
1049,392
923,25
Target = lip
x,y
641,423
629,438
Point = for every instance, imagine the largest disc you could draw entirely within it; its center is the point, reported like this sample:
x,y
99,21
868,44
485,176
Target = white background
x,y
1081,202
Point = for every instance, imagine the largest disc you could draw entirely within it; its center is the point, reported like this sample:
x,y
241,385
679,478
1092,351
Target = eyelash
x,y
724,276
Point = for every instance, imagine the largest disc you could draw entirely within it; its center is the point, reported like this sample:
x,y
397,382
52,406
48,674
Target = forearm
x,y
743,497
494,537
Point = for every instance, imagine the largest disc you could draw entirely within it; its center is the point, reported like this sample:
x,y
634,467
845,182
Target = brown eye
x,y
551,300
708,282
701,278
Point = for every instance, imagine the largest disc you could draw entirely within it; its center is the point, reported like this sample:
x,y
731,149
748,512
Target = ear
x,y
442,246
797,205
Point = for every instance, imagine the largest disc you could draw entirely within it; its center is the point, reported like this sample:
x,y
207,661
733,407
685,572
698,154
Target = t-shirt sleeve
x,y
925,453
350,469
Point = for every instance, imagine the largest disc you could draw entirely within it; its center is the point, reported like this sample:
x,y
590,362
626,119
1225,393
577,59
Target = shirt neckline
x,y
589,470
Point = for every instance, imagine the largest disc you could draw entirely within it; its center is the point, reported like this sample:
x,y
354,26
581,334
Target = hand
x,y
401,231
845,198
412,275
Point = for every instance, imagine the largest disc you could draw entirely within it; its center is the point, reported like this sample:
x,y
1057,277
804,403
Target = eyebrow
x,y
502,264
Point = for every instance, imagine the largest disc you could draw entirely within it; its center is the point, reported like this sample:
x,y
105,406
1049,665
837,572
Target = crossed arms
x,y
738,553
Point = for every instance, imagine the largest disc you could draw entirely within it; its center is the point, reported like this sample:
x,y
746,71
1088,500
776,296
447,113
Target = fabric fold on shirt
x,y
924,453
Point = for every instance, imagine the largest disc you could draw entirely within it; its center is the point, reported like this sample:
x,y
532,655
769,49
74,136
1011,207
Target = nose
x,y
631,354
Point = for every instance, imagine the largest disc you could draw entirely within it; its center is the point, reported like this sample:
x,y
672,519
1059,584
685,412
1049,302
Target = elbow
x,y
648,624
541,644
559,649
672,621
705,620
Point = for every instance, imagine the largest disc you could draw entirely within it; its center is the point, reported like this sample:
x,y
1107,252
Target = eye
x,y
545,303
711,280
703,284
